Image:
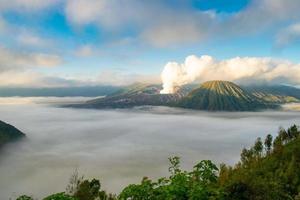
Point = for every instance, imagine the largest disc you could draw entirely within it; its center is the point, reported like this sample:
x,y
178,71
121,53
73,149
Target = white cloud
x,y
288,35
30,39
90,11
2,24
260,15
109,77
30,78
109,13
207,68
161,24
85,51
179,29
13,60
10,79
27,5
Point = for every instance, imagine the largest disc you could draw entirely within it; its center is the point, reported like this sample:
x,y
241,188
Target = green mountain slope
x,y
275,93
9,133
221,95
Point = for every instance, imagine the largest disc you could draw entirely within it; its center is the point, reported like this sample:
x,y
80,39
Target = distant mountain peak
x,y
221,95
223,87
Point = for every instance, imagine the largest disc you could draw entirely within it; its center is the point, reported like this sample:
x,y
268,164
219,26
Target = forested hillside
x,y
9,133
269,170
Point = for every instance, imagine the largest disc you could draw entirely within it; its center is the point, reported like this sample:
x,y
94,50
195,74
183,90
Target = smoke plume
x,y
250,69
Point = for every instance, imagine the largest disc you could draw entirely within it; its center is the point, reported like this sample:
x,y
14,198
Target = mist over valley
x,y
119,146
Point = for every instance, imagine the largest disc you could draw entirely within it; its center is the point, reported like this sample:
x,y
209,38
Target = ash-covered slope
x,y
138,95
222,96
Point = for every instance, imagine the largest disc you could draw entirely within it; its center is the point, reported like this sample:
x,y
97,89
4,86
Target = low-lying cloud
x,y
241,69
119,146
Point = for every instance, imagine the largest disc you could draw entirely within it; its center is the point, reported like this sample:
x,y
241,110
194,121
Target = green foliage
x,y
270,174
24,197
268,143
60,196
90,190
200,183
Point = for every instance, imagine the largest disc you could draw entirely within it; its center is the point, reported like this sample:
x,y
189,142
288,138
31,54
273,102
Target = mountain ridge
x,y
137,95
219,96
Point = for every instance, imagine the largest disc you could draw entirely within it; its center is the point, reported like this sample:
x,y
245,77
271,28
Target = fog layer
x,y
120,146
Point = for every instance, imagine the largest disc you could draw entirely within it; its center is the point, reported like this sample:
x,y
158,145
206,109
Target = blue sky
x,y
123,41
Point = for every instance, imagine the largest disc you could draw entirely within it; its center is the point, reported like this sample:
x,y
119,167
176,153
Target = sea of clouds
x,y
119,146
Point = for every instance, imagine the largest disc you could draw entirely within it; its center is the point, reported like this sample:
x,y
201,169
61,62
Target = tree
x,y
88,190
238,190
24,197
205,171
143,191
283,135
175,165
293,132
74,183
201,183
268,143
258,147
60,196
247,156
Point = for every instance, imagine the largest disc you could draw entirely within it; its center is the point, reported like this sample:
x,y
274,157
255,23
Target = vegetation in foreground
x,y
269,170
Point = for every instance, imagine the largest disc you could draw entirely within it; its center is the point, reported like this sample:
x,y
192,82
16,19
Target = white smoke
x,y
207,68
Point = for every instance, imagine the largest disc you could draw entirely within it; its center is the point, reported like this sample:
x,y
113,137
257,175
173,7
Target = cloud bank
x,y
119,154
11,60
207,68
160,24
156,22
